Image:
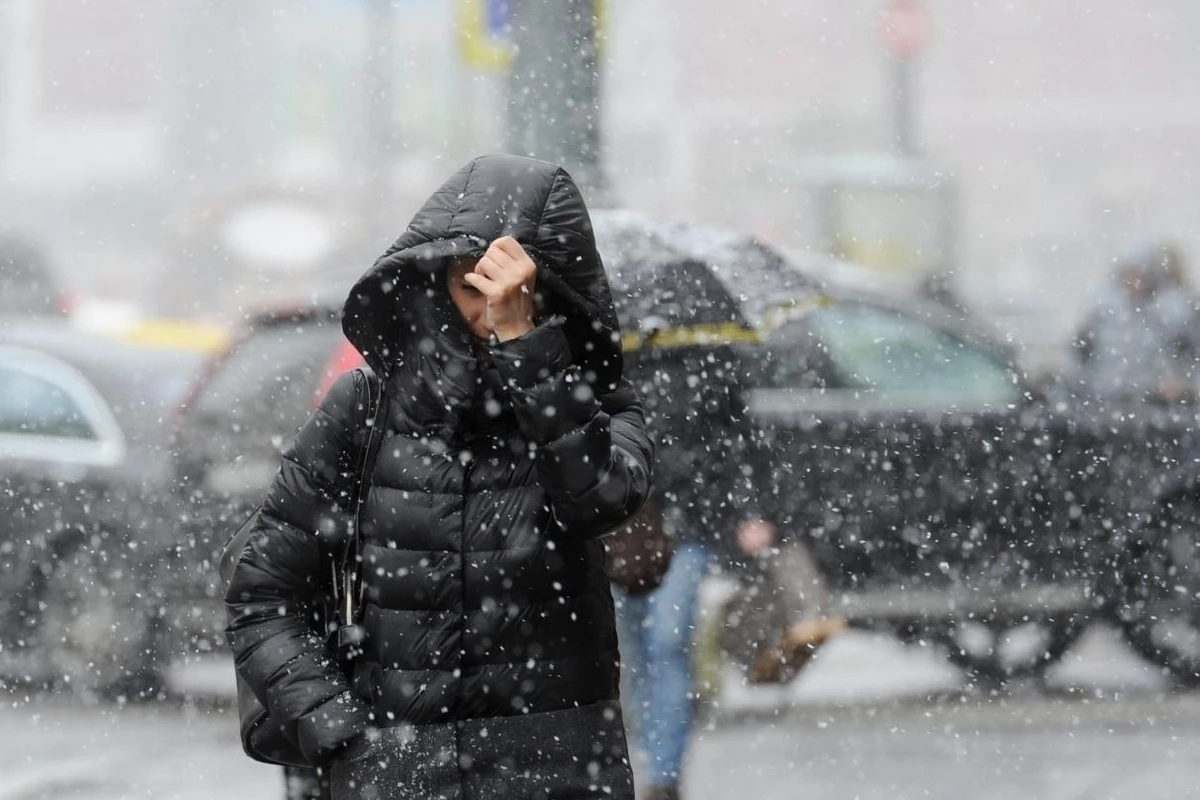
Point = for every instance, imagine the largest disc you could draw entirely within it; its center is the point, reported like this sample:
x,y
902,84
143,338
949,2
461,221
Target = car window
x,y
880,350
37,406
268,383
26,285
793,358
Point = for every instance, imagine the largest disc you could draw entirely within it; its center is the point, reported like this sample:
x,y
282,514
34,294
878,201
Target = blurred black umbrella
x,y
679,284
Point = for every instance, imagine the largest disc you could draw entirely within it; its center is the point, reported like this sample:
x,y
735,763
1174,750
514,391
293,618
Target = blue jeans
x,y
656,651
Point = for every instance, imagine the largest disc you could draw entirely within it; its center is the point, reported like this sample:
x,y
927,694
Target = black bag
x,y
262,736
638,555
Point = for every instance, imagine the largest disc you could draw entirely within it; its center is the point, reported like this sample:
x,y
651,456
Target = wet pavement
x,y
871,720
1056,749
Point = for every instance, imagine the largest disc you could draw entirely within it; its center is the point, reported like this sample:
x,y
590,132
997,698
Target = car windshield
x,y
141,385
270,379
879,350
33,405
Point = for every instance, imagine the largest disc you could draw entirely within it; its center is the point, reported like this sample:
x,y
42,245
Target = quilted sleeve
x,y
271,628
593,453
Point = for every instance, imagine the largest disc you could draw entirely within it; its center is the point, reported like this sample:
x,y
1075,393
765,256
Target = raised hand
x,y
506,276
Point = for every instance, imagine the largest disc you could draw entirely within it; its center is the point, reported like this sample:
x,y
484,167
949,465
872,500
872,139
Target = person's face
x,y
470,302
1136,282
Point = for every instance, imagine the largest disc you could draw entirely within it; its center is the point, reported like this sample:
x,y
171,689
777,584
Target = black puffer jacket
x,y
492,664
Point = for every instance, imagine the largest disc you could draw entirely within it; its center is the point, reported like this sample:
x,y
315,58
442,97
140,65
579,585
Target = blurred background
x,y
181,156
968,190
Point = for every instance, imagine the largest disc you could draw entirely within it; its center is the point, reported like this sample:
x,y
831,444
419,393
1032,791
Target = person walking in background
x,y
706,489
1140,342
512,443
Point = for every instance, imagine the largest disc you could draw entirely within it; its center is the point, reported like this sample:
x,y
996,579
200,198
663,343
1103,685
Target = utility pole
x,y
904,28
380,120
553,108
904,97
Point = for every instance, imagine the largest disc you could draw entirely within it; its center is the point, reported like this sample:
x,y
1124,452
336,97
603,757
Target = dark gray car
x,y
89,524
27,283
945,496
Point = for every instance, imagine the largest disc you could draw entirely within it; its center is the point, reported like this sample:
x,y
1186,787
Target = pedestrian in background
x,y
1141,340
705,485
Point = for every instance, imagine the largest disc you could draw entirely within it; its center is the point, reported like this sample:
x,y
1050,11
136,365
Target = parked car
x,y
85,499
1156,575
27,284
942,495
246,406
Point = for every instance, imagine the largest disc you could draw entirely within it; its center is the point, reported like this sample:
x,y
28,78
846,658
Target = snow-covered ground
x,y
51,748
1141,748
869,719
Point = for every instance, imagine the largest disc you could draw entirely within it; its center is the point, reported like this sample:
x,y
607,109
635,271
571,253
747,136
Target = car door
x,y
900,440
787,378
57,438
248,410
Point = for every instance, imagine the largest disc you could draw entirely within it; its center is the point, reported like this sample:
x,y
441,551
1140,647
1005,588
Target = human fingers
x,y
514,252
508,272
755,536
510,256
483,283
500,254
749,544
494,270
510,246
511,274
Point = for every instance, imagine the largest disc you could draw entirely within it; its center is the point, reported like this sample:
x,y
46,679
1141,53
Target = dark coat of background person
x,y
712,466
492,664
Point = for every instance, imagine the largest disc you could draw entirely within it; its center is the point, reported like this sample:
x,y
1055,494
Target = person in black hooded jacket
x,y
512,444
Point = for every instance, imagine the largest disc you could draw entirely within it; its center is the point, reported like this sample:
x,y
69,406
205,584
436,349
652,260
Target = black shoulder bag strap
x,y
351,636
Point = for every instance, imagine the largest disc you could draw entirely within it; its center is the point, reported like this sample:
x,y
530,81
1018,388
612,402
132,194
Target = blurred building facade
x,y
1069,126
133,131
127,127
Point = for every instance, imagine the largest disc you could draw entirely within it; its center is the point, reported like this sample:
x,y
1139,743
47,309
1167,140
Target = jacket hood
x,y
535,202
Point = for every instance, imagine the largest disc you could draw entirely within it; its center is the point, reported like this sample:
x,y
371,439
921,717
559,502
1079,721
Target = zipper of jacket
x,y
483,360
462,599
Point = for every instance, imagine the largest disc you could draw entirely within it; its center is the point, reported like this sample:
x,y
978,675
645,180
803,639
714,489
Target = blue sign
x,y
498,17
485,31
